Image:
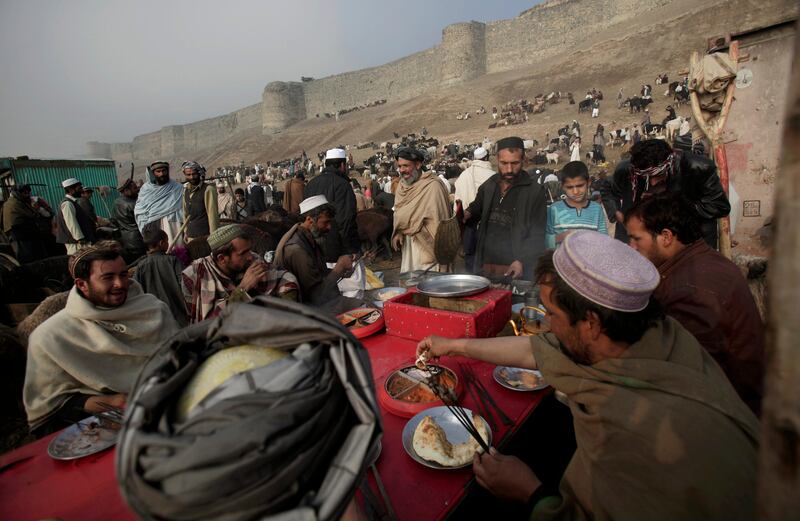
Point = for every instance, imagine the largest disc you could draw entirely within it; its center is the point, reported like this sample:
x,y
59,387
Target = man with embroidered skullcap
x,y
421,203
75,228
511,214
335,186
88,354
160,200
654,167
199,202
660,432
233,272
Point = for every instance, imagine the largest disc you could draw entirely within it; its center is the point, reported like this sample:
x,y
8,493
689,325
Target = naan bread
x,y
219,367
430,443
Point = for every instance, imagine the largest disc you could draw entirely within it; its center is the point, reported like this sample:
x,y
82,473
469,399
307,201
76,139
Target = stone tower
x,y
282,104
463,52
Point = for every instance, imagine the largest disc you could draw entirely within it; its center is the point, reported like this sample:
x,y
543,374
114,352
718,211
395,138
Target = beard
x,y
576,350
510,177
415,175
162,180
109,299
318,235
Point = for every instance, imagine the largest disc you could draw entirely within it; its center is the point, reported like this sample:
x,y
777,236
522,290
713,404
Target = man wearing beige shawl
x,y
660,432
421,203
87,356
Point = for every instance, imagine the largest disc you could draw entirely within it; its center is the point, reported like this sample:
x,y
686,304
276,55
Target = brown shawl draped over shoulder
x,y
420,207
661,434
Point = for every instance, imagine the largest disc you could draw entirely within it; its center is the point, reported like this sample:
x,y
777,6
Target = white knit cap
x,y
479,153
69,182
306,205
335,153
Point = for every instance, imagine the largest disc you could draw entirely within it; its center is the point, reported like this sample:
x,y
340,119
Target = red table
x,y
33,486
418,492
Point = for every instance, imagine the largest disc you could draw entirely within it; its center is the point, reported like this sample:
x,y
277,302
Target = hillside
x,y
623,56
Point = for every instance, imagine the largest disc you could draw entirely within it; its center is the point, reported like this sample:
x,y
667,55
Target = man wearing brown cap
x,y
511,214
233,272
421,203
660,432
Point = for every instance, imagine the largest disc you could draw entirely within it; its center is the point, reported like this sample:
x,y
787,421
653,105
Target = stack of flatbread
x,y
430,443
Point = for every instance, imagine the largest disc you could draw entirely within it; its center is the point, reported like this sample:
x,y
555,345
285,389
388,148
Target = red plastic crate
x,y
484,315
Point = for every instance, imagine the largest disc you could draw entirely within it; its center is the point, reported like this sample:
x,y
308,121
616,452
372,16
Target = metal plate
x,y
505,375
375,453
82,439
453,285
455,432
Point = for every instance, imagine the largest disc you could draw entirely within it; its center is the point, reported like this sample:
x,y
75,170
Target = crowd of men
x,y
658,345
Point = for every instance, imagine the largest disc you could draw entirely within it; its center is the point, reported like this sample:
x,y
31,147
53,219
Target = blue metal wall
x,y
93,174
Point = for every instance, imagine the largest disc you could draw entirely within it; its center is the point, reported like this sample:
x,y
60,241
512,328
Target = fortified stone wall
x,y
179,140
98,150
554,27
400,79
467,51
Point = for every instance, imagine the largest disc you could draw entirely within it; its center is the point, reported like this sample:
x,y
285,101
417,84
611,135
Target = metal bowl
x,y
453,285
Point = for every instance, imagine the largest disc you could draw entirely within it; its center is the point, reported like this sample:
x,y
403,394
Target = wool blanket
x,y
87,349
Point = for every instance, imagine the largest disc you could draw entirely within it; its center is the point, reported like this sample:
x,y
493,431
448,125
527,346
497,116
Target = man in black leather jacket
x,y
131,237
655,167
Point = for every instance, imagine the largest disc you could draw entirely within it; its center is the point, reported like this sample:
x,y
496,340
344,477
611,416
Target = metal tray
x,y
86,437
453,285
455,432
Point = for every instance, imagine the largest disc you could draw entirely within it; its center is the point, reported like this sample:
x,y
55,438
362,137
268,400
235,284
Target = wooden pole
x,y
713,130
779,465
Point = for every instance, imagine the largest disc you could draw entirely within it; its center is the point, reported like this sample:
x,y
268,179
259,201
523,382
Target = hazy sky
x,y
81,70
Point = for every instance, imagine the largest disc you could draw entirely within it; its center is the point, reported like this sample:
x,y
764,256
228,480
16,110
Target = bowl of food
x,y
382,295
405,391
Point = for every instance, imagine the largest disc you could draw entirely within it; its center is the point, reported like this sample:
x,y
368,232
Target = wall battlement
x,y
467,51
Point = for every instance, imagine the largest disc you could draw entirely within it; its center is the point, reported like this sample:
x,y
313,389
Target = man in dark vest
x,y
511,214
123,214
335,186
75,229
199,202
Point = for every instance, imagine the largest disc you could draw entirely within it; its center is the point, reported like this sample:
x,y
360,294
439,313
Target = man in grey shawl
x,y
660,431
87,356
160,199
